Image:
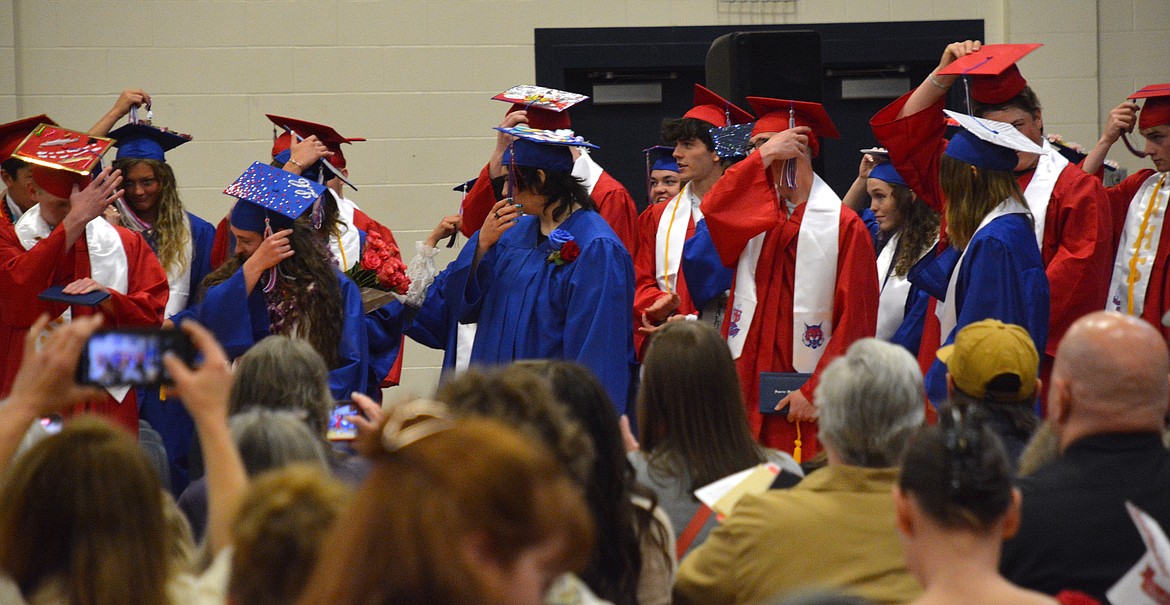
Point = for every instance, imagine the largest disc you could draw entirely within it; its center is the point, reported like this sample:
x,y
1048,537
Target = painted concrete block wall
x,y
414,76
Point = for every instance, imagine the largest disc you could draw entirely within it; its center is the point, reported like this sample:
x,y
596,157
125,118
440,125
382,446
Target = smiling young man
x,y
1140,284
660,291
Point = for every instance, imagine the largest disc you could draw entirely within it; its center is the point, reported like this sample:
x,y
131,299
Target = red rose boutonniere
x,y
568,250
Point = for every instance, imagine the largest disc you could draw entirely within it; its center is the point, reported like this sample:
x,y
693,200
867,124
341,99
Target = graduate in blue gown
x,y
547,278
281,280
150,205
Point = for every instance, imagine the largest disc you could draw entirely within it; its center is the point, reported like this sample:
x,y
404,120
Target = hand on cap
x,y
91,202
1122,119
446,227
45,380
204,390
131,97
503,140
958,49
791,143
270,252
305,153
867,164
503,216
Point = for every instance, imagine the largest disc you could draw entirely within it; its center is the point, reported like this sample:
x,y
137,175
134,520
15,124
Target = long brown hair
x,y
84,508
307,294
919,228
169,234
690,406
407,535
972,193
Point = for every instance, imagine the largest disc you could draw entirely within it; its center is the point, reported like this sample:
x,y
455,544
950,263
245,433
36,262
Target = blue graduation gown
x,y
529,308
1001,277
928,277
703,269
240,321
169,417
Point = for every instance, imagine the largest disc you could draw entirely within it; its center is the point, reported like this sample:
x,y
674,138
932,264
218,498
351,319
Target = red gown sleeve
x,y
915,143
221,246
740,206
478,202
615,205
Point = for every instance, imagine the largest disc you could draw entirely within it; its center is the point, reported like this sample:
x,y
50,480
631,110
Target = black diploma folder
x,y
91,299
775,386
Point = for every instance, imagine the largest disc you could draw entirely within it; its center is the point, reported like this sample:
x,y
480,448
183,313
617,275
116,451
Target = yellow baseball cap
x,y
993,360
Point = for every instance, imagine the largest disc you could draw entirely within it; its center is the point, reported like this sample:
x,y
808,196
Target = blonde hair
x,y
972,193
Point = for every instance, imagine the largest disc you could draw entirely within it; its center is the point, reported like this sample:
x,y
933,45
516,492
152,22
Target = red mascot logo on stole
x,y
814,336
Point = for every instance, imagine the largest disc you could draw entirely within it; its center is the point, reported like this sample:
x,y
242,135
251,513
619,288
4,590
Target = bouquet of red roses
x,y
381,267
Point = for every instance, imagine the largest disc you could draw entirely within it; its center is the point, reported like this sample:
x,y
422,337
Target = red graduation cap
x,y
61,158
326,134
714,109
543,119
773,117
996,64
1156,110
12,133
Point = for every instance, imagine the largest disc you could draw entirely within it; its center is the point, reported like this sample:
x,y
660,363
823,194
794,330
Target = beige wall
x,y
414,76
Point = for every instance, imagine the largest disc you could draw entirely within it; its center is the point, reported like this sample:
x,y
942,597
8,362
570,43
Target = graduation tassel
x,y
162,393
270,284
796,448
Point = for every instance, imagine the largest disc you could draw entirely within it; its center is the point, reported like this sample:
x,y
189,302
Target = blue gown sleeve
x,y
237,319
202,239
352,352
600,298
469,286
704,272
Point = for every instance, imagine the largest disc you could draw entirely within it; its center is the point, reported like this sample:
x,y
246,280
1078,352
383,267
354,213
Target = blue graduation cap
x,y
987,143
270,197
546,149
660,157
731,142
143,141
465,187
885,172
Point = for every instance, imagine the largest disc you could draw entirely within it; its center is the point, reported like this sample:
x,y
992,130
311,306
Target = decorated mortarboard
x,y
546,108
59,148
996,79
12,133
885,172
299,130
778,115
660,157
144,141
715,110
731,142
987,143
270,197
1156,110
545,149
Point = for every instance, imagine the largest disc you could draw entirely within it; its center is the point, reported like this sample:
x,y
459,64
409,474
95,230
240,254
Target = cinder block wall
x,y
414,76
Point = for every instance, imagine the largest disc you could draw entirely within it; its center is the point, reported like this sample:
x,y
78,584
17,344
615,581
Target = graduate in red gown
x,y
15,172
660,286
63,241
1140,283
613,201
806,280
1072,215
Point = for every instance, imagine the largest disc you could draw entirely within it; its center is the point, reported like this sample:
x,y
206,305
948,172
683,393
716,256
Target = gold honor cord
x,y
1137,246
666,257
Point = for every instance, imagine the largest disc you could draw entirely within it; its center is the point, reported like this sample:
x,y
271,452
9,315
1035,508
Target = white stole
x,y
346,247
587,170
107,262
671,235
946,311
814,283
894,289
1039,191
464,340
180,281
1138,246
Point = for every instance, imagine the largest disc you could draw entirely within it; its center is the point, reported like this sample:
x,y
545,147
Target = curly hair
x,y
307,297
919,228
169,235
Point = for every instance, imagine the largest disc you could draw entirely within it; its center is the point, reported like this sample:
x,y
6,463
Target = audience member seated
x,y
692,425
462,513
991,370
835,529
955,504
635,562
283,518
1108,404
82,512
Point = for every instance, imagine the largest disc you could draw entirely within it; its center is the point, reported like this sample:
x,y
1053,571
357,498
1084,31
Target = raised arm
x,y
1122,119
131,97
935,87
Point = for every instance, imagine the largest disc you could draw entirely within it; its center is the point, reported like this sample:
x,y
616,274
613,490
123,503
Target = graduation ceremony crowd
x,y
955,373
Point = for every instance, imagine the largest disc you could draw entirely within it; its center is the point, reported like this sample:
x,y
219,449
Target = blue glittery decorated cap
x,y
141,141
661,157
546,149
885,172
270,193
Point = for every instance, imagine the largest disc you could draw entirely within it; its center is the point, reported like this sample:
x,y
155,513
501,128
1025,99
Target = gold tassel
x,y
796,450
162,393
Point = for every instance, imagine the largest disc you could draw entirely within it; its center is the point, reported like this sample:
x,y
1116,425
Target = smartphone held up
x,y
131,356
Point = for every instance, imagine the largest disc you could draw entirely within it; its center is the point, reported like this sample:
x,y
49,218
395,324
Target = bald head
x,y
1112,374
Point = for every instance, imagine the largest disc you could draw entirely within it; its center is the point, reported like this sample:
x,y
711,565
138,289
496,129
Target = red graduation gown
x,y
25,274
614,204
742,205
1157,301
647,266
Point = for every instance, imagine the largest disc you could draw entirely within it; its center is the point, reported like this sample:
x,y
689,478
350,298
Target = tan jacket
x,y
835,529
